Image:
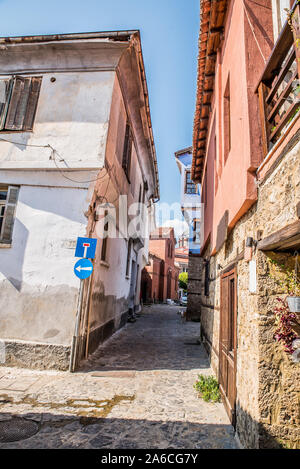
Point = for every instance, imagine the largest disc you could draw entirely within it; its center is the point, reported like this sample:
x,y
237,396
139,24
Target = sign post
x,y
86,249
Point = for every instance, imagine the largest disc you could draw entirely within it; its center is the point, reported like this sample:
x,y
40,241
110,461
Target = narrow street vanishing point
x,y
150,258
135,391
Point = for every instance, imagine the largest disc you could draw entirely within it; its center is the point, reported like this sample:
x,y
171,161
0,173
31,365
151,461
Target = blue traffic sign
x,y
83,268
86,247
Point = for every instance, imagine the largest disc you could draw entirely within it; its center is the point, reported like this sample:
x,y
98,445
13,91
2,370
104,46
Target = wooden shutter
x,y
23,103
18,103
32,102
9,215
6,88
127,150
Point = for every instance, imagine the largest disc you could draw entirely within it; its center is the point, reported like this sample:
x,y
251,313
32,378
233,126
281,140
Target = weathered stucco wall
x,y
72,116
110,283
38,287
267,379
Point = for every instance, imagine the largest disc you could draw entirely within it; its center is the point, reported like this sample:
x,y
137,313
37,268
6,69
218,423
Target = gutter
x,y
156,196
113,35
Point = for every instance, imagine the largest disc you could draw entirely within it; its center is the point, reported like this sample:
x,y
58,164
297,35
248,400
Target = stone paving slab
x,y
135,391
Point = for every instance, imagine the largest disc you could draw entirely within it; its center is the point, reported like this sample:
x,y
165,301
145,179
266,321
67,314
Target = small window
x,y
127,149
190,186
196,231
139,203
18,102
128,257
145,188
226,117
105,235
8,201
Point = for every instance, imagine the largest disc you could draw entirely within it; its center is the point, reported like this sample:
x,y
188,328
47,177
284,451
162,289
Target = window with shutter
x,y
33,97
105,235
127,148
3,197
190,187
5,93
18,102
8,202
128,257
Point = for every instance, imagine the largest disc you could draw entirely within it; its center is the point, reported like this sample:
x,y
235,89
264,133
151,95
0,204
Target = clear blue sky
x,y
169,32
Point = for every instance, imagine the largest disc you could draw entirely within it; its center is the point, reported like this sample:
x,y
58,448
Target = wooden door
x,y
228,342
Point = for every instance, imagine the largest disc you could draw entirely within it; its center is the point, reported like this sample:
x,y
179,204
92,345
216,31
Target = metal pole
x,y
75,337
88,314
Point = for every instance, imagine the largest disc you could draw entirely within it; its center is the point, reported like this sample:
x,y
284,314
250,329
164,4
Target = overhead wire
x,y
52,157
54,152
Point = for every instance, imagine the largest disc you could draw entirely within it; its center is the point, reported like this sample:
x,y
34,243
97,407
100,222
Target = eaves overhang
x,y
212,18
108,35
113,40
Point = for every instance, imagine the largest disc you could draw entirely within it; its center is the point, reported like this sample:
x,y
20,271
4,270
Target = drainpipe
x,y
75,337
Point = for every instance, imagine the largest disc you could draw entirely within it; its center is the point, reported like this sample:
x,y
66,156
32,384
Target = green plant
x,y
287,278
208,388
183,280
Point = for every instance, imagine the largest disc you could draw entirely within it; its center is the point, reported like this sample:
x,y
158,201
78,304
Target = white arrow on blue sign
x,y
83,268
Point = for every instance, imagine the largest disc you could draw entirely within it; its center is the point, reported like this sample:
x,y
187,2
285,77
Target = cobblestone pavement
x,y
135,391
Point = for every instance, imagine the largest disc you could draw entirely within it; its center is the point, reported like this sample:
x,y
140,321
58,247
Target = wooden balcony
x,y
279,86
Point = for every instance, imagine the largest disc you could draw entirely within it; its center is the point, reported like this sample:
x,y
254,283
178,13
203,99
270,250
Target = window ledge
x,y
104,264
5,245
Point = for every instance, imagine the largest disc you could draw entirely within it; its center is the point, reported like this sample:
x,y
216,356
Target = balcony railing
x,y
279,87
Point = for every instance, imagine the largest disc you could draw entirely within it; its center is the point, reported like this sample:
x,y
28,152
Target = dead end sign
x,y
86,247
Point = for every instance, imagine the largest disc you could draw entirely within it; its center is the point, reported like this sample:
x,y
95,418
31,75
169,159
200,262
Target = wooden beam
x,y
280,49
262,90
288,235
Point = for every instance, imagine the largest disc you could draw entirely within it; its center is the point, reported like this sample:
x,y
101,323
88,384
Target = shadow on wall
x,y
256,435
50,200
12,259
209,309
47,202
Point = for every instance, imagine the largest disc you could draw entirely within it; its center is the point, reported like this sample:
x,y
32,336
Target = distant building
x,y
190,205
182,258
160,276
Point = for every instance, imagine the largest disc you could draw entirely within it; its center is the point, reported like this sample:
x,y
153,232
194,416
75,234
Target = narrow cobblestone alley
x,y
135,391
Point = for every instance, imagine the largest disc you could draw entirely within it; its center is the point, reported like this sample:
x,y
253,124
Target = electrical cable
x,y
52,157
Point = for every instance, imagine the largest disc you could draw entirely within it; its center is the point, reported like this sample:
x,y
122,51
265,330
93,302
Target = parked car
x,y
183,300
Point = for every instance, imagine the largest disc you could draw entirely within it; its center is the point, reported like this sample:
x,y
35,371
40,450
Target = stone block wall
x,y
195,267
268,382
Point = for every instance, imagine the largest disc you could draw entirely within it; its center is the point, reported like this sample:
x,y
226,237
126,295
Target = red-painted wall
x,y
161,267
230,182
